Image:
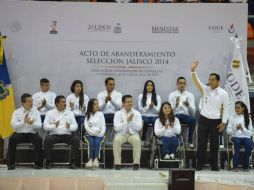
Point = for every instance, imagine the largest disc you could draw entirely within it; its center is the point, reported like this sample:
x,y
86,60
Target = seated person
x,y
127,125
109,100
184,108
240,128
61,125
166,127
25,121
77,102
149,104
45,99
95,130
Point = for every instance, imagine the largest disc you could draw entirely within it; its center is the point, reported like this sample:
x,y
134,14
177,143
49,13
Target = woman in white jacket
x,y
95,130
149,104
240,128
166,127
77,102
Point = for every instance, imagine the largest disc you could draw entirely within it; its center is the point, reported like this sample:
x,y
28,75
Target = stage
x,y
124,179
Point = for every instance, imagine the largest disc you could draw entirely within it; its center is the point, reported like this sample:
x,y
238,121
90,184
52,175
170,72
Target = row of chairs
x,y
154,149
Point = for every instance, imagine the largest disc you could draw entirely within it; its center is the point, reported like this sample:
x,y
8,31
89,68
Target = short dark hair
x,y
108,79
125,97
24,96
44,80
216,76
58,98
179,78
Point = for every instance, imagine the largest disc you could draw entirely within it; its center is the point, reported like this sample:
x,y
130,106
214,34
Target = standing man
x,y
127,124
25,121
60,123
109,100
45,99
211,121
184,108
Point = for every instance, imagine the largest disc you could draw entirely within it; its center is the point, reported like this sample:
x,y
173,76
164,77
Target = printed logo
x,y
117,29
99,28
231,29
53,27
165,29
105,28
215,28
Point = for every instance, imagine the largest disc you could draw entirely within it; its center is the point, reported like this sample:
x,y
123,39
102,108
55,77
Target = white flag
x,y
236,83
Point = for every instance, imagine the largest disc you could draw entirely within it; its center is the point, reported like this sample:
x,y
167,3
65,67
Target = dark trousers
x,y
80,120
33,138
50,140
190,121
248,145
109,118
147,120
208,128
42,118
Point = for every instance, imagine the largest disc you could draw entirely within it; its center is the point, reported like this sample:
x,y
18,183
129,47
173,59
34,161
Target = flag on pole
x,y
236,83
6,95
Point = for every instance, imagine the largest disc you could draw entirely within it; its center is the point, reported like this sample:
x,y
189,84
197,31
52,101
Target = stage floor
x,y
126,178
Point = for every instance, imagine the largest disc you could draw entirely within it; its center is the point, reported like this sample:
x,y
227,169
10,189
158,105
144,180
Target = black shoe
x,y
117,167
37,167
215,168
48,165
135,167
199,168
11,167
72,166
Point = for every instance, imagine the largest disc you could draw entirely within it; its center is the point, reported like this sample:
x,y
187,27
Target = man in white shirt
x,y
25,121
45,99
60,123
212,120
109,100
184,108
127,125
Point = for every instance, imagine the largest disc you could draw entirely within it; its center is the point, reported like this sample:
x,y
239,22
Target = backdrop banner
x,y
64,41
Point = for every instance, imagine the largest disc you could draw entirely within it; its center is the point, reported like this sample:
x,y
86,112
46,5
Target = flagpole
x,y
1,139
2,38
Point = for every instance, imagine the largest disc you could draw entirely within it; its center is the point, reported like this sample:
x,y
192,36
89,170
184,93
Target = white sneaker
x,y
89,164
171,156
191,145
166,157
95,163
221,146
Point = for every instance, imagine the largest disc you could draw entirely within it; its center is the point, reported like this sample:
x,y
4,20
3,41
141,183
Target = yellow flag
x,y
6,97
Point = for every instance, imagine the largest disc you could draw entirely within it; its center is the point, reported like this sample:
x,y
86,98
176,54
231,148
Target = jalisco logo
x,y
165,29
105,28
53,27
99,28
231,28
215,28
4,92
